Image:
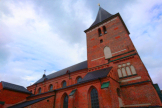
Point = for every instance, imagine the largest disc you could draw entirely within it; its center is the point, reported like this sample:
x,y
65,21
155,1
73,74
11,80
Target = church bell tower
x,y
109,45
106,37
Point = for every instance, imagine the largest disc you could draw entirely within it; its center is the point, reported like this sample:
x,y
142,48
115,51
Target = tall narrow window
x,y
65,104
133,69
99,32
94,98
79,79
39,90
104,29
128,71
50,87
64,84
123,72
107,52
119,73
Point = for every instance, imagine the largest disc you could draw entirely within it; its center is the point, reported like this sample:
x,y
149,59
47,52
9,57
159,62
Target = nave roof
x,y
76,67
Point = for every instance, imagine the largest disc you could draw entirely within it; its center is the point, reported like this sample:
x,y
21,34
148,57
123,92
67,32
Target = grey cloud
x,y
4,55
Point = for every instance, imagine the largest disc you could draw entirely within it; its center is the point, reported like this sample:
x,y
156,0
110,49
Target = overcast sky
x,y
49,34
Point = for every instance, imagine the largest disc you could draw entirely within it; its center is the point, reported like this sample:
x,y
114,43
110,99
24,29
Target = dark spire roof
x,y
102,15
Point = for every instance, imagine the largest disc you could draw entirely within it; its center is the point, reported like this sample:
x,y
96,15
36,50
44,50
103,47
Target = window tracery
x,y
65,103
94,98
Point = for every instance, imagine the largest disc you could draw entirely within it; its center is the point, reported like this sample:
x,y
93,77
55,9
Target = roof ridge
x,y
67,67
73,68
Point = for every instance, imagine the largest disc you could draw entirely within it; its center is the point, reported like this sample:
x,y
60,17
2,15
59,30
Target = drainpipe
x,y
69,79
54,99
100,80
35,88
69,75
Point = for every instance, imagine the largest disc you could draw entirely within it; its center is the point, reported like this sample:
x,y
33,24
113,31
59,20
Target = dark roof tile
x,y
79,66
96,74
27,103
14,87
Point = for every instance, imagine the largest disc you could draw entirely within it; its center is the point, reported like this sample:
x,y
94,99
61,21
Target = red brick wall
x,y
41,96
138,65
1,87
140,94
11,97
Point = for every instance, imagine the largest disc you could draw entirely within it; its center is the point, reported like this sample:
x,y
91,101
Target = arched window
x,y
123,72
31,91
99,32
64,84
65,103
128,71
79,79
119,73
94,98
39,90
107,52
50,87
104,29
133,69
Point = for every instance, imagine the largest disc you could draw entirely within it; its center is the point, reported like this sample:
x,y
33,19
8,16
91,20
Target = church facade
x,y
113,75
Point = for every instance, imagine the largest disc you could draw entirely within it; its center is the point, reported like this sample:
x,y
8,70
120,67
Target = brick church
x,y
113,76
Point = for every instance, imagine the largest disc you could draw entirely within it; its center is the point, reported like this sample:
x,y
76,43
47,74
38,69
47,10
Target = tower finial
x,y
99,4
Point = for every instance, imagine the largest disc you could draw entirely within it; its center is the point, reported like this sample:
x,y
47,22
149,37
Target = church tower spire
x,y
101,16
106,37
